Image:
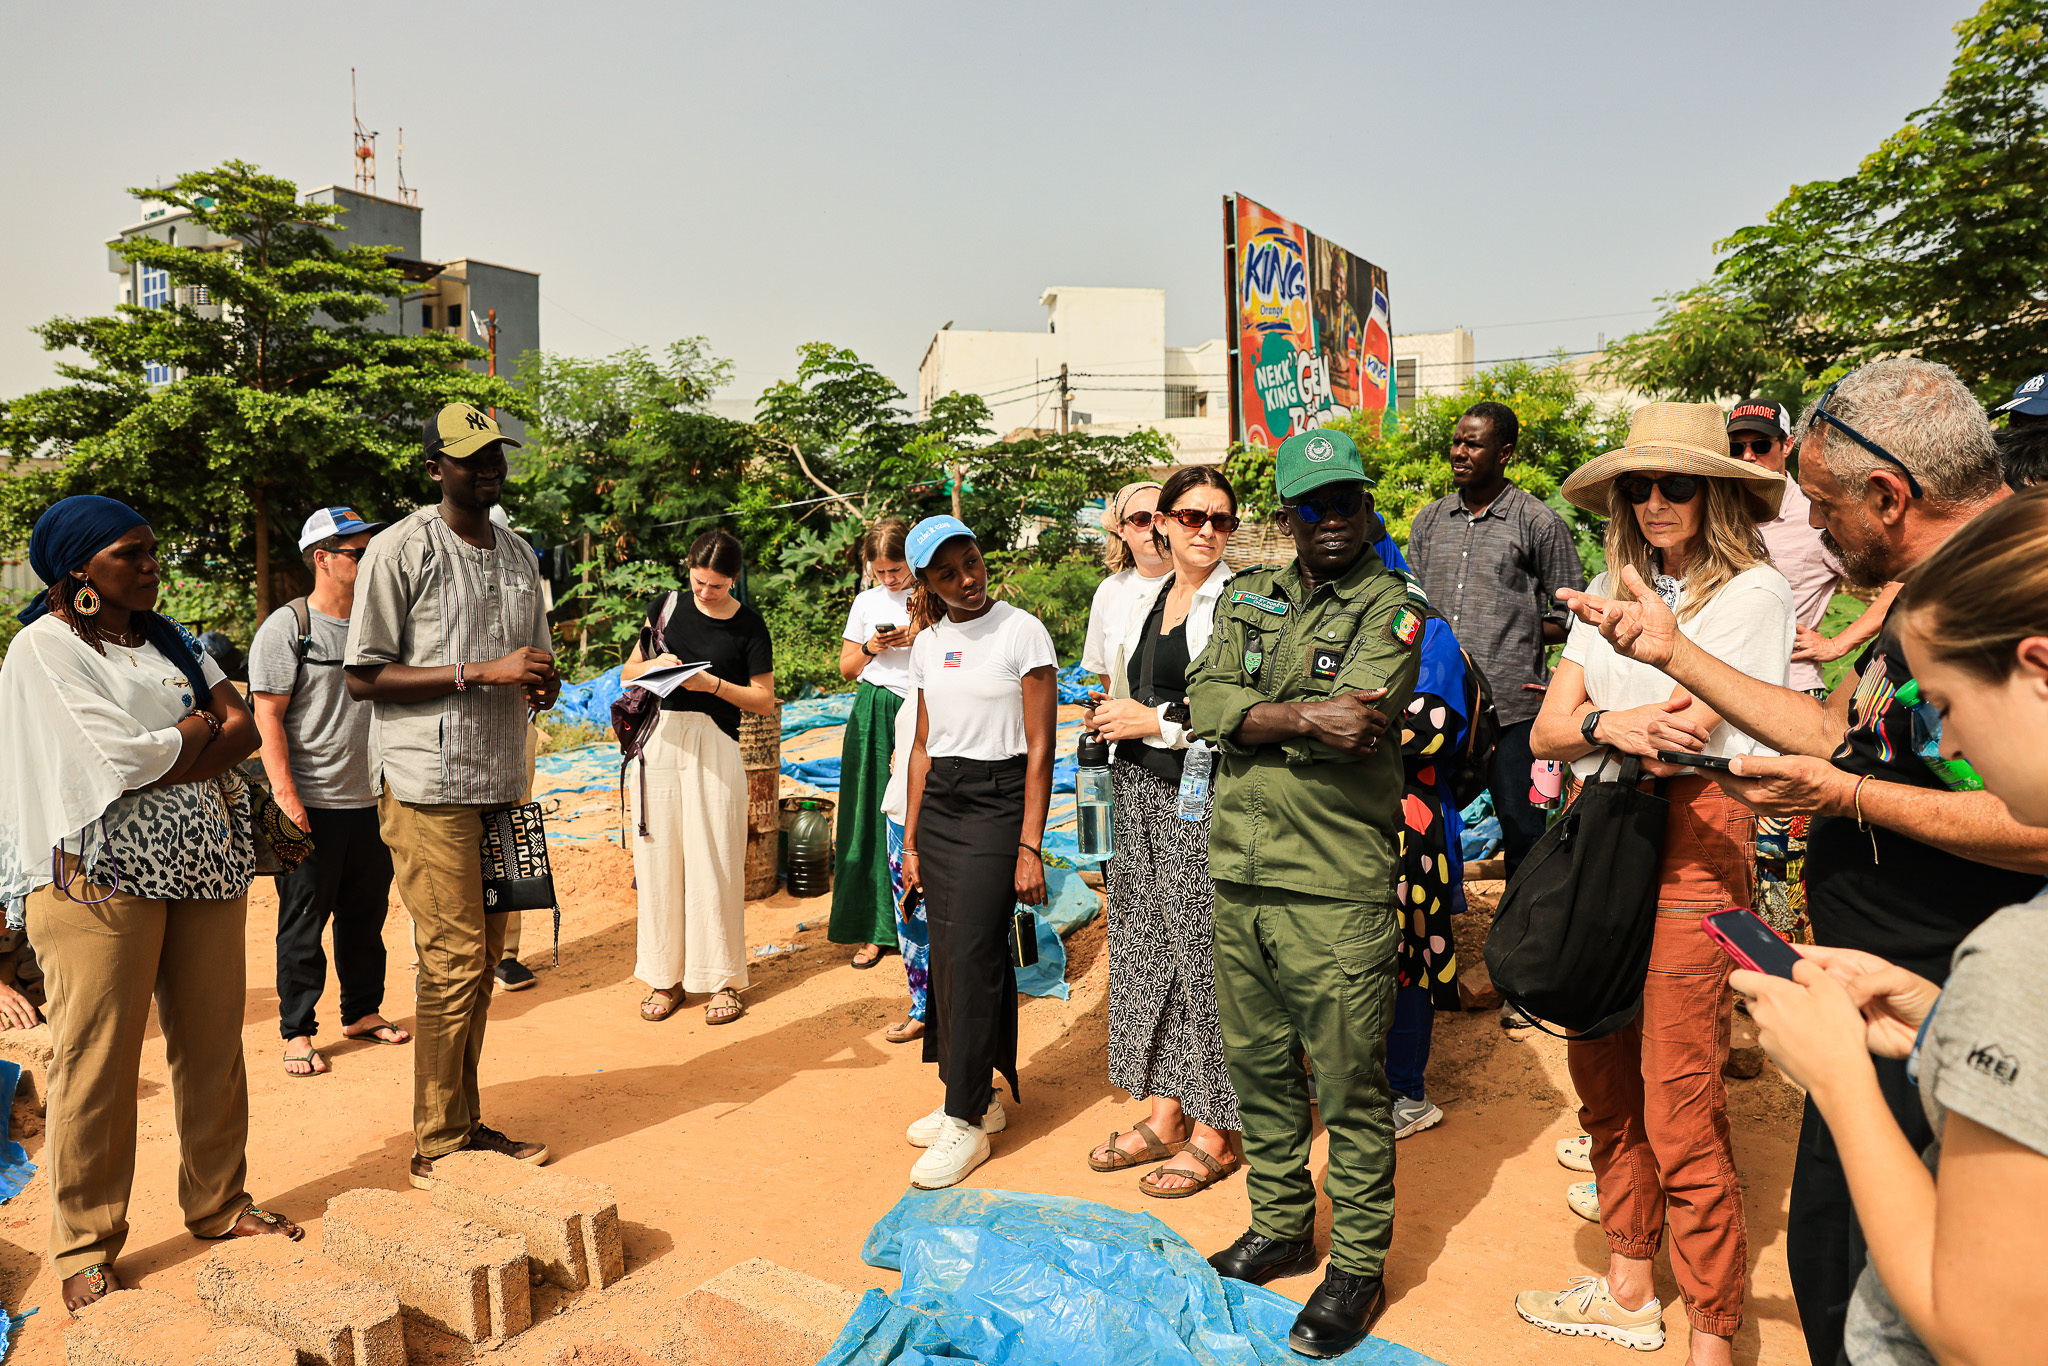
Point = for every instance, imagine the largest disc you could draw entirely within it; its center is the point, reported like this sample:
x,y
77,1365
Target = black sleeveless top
x,y
1167,656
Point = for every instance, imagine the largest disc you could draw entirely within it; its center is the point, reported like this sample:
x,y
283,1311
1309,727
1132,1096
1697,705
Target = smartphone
x,y
1750,942
887,628
1680,757
1179,713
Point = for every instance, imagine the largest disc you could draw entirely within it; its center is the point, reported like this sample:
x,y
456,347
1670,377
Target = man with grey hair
x,y
1895,459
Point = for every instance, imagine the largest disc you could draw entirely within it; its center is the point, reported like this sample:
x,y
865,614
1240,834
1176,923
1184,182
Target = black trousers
x,y
346,879
1824,1247
1521,821
967,833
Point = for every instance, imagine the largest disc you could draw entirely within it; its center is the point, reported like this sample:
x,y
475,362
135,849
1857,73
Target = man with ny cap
x,y
450,644
2028,406
1308,664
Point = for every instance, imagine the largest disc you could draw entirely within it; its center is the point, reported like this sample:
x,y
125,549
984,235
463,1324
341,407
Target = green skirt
x,y
863,907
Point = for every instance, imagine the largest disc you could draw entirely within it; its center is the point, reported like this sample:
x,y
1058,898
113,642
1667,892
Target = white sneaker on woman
x,y
958,1150
922,1133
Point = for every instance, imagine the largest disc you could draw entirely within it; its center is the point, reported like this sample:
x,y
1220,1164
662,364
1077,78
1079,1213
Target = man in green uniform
x,y
1308,665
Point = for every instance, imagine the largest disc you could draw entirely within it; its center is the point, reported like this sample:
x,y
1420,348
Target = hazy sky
x,y
767,174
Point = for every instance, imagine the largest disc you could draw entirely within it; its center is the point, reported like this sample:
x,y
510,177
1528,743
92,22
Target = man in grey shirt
x,y
1492,558
316,751
450,644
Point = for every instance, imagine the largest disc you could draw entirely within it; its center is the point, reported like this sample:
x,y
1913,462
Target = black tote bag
x,y
1570,943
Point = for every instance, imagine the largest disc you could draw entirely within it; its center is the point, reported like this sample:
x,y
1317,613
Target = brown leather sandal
x,y
671,999
1121,1161
724,1007
1149,1182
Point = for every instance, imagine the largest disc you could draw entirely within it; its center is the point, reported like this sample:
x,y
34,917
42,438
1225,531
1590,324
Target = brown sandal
x,y
1119,1160
261,1221
904,1031
724,1007
671,999
1149,1182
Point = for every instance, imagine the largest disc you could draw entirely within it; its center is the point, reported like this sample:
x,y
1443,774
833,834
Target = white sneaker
x,y
958,1150
1413,1116
925,1131
1586,1309
1584,1198
1576,1153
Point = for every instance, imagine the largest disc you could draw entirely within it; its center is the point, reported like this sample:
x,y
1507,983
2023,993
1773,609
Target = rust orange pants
x,y
1652,1096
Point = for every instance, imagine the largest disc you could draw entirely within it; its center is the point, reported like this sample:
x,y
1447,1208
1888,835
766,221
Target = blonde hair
x,y
1115,554
1986,589
1728,543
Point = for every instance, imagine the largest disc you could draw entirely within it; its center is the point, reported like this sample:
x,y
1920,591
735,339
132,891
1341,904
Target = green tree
x,y
1709,343
288,399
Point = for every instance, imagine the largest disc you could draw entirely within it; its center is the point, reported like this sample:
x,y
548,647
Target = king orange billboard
x,y
1308,327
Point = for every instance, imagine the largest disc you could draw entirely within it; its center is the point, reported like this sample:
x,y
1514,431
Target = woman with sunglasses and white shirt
x,y
1165,1042
1138,566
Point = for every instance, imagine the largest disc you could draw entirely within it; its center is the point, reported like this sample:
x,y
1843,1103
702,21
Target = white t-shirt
x,y
1748,626
875,608
972,676
1109,614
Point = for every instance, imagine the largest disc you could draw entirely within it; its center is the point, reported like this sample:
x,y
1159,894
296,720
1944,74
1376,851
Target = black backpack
x,y
635,712
1474,771
1570,943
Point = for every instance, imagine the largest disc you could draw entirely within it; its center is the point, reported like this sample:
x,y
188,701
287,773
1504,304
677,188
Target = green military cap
x,y
1309,460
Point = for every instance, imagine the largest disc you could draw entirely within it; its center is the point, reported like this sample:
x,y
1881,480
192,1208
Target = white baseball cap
x,y
334,522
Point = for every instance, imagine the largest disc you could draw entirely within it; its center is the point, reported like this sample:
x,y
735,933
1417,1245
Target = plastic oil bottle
x,y
1091,798
1955,773
810,853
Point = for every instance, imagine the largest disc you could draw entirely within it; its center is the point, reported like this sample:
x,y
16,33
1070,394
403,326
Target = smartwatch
x,y
1587,726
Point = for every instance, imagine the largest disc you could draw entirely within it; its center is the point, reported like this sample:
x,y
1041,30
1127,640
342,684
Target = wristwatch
x,y
866,651
1586,727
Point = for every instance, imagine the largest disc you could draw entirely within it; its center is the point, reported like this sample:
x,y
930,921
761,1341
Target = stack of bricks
x,y
149,1328
570,1225
457,1275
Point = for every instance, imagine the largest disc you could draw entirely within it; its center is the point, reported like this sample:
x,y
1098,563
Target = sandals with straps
x,y
1119,1160
1149,1182
668,1000
96,1283
724,1007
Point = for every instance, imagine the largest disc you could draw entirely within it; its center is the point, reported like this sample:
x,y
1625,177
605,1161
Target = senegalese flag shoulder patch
x,y
1405,626
1273,606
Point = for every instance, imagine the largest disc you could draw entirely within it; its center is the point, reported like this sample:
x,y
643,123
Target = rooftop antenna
x,y
406,193
366,144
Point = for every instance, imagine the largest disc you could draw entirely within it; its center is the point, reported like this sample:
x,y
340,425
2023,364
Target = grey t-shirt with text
x,y
1984,1055
328,731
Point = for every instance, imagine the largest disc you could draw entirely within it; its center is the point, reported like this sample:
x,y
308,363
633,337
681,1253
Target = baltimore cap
x,y
1760,415
1309,460
460,430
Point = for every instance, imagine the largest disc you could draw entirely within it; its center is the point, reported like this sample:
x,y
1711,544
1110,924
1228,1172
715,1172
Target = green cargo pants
x,y
1299,973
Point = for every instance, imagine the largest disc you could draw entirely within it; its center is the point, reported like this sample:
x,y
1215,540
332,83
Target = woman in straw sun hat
x,y
1682,524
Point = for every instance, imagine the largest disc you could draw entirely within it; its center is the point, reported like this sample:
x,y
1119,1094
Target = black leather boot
x,y
1258,1259
1339,1315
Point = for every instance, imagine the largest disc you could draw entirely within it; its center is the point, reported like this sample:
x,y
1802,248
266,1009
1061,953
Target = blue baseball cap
x,y
2030,398
927,536
334,522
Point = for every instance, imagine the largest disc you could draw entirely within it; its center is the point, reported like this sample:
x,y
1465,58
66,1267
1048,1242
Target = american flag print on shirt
x,y
952,660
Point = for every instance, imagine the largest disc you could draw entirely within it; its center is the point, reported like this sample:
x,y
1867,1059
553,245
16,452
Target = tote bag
x,y
1571,941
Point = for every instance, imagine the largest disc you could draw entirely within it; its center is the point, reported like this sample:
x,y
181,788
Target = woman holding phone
x,y
980,785
874,648
1956,1259
1682,523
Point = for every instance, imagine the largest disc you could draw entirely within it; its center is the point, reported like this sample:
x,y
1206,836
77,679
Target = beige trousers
x,y
434,853
691,864
102,964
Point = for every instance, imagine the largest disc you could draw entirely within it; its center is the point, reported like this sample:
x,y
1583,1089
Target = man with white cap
x,y
316,751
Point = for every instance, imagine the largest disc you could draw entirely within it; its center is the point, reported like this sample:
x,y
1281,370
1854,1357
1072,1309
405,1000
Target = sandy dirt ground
x,y
781,1135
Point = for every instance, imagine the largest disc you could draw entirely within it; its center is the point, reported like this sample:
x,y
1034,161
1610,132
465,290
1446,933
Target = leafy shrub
x,y
1057,593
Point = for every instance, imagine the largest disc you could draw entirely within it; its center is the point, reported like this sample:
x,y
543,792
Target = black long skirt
x,y
967,833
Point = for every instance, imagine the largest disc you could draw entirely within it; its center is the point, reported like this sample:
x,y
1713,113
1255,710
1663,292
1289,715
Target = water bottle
x,y
810,853
1194,781
1091,798
1956,773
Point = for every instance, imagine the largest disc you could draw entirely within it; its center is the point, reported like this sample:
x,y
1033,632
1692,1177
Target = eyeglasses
x,y
1761,446
1676,488
1224,522
354,552
1342,503
1821,414
1140,520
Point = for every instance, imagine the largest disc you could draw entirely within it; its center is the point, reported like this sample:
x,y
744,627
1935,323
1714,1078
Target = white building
x,y
1430,363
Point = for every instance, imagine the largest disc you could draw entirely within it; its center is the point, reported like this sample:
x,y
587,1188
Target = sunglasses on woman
x,y
1315,507
1676,488
1224,522
1140,520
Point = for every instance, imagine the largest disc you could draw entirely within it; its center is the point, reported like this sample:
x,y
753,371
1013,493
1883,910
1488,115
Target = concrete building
x,y
451,297
1430,363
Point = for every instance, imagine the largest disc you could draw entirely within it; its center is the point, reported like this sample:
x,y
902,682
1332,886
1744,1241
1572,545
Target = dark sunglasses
x,y
1761,446
1140,520
354,553
1315,507
1676,488
1821,414
1224,522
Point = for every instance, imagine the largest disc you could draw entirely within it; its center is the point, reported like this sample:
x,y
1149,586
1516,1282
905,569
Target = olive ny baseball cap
x,y
1309,460
460,430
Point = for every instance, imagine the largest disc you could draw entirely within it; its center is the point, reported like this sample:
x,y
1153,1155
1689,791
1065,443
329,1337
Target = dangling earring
x,y
87,603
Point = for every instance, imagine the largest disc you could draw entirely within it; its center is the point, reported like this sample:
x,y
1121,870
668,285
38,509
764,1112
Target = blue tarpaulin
x,y
15,1168
1482,837
1003,1279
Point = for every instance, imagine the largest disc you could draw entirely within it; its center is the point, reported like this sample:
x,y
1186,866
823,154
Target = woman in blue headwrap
x,y
124,832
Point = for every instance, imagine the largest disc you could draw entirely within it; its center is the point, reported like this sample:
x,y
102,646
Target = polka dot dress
x,y
1428,955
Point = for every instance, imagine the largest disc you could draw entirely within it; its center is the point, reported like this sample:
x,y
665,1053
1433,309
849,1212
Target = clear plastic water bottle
x,y
1194,781
1091,798
1956,773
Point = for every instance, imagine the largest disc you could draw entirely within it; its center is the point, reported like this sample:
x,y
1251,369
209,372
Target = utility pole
x,y
1066,399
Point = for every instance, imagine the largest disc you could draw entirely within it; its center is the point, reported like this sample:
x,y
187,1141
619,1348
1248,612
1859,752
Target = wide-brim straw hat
x,y
1675,438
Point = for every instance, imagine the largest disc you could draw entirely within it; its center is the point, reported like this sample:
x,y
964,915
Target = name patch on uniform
x,y
1405,626
1323,662
1259,600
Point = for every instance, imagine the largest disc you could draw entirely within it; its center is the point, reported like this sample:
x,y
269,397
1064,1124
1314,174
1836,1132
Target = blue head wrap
x,y
65,540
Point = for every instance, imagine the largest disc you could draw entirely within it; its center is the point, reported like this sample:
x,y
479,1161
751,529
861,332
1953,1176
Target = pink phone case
x,y
1729,946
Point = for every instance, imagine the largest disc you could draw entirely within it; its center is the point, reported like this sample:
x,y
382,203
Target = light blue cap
x,y
927,536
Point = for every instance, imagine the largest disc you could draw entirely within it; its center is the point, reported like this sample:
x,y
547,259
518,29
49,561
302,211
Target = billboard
x,y
1309,338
